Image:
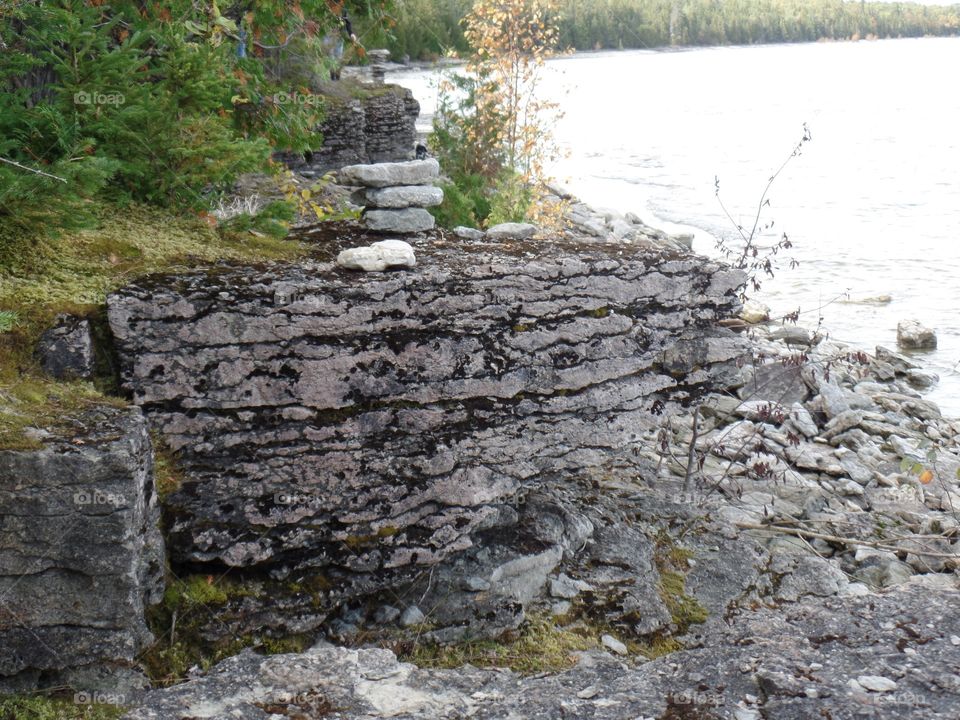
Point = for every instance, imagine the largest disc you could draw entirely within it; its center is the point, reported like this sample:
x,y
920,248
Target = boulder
x,y
81,556
381,175
912,335
374,427
900,363
405,196
66,350
408,220
922,379
512,231
468,233
378,257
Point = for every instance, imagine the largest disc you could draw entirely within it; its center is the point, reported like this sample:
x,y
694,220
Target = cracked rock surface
x,y
891,655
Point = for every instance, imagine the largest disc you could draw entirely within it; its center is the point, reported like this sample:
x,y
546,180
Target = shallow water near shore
x,y
872,204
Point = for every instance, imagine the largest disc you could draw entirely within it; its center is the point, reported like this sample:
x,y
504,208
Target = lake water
x,y
872,204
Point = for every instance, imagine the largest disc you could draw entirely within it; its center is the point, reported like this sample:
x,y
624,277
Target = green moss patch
x,y
685,610
35,405
81,267
193,603
540,645
41,707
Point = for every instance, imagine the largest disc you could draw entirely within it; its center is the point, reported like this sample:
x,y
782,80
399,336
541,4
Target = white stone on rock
x,y
911,334
512,231
855,589
620,228
378,257
566,587
404,196
408,220
379,175
588,224
802,420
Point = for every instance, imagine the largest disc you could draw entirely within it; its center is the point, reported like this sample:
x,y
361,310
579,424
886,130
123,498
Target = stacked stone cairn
x,y
396,195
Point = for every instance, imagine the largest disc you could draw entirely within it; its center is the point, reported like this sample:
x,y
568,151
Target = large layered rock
x,y
80,553
371,425
422,196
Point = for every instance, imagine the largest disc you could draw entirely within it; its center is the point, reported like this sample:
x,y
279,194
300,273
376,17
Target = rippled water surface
x,y
872,204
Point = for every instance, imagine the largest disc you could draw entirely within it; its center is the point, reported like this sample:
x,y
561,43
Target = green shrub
x,y
510,199
272,219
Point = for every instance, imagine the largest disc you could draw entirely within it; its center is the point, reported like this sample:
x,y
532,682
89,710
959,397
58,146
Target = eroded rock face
x,y
81,554
66,350
376,127
378,424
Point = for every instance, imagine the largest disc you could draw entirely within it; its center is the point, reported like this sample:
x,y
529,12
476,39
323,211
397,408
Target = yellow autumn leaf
x,y
926,477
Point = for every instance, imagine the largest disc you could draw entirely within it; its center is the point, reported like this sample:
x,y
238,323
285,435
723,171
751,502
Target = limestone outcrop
x,y
81,555
362,124
367,427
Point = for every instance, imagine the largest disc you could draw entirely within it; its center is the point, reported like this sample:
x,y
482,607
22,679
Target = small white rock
x,y
412,616
468,233
588,692
378,257
876,683
613,645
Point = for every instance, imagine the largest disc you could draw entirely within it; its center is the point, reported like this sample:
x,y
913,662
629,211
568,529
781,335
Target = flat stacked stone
x,y
397,194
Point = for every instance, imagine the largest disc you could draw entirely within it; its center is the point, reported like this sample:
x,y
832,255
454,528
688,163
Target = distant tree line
x,y
431,28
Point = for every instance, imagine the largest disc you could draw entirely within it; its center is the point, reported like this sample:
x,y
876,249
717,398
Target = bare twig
x,y
797,532
692,451
37,172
